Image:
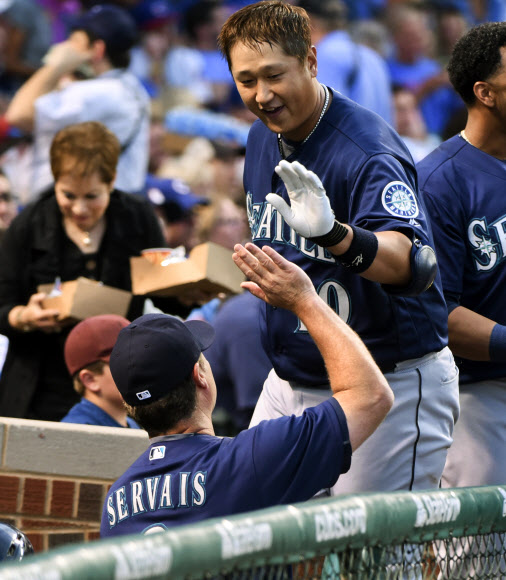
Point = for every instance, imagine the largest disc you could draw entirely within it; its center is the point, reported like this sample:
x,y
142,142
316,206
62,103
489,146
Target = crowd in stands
x,y
152,73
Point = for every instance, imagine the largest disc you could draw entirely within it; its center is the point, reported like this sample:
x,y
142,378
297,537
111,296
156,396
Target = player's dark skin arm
x,y
392,262
469,334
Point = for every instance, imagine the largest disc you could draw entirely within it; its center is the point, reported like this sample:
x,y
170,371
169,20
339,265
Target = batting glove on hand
x,y
309,212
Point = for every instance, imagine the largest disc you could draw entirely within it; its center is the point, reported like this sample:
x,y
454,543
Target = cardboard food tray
x,y
209,268
83,298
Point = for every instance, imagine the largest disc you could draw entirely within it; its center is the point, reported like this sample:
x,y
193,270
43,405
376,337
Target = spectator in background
x,y
99,45
227,166
365,9
409,123
84,227
28,37
87,351
8,206
175,205
17,164
478,11
60,14
488,11
223,222
413,66
156,22
198,66
372,33
451,25
8,211
210,166
356,71
158,150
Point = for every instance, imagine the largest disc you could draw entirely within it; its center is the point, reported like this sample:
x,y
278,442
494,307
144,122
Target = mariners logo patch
x,y
399,200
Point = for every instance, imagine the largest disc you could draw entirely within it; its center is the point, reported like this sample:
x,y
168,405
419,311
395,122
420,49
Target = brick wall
x,y
54,477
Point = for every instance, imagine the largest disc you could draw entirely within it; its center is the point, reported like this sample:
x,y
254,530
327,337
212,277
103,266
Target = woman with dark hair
x,y
81,227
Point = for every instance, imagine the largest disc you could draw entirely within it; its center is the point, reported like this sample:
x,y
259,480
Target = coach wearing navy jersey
x,y
188,474
332,188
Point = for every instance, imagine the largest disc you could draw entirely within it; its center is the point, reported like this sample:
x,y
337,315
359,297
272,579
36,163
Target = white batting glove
x,y
309,212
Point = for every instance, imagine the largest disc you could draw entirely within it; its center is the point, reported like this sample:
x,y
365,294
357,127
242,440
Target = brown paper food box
x,y
209,267
83,298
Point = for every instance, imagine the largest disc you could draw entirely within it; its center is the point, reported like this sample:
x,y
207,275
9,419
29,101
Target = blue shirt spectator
x,y
87,413
87,352
355,70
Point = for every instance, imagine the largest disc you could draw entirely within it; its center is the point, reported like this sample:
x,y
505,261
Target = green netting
x,y
454,534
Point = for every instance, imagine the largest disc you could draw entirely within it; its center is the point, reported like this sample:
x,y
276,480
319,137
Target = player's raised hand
x,y
272,278
309,212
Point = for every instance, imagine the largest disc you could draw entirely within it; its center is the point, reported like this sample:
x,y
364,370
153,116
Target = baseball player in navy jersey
x,y
332,187
188,474
463,183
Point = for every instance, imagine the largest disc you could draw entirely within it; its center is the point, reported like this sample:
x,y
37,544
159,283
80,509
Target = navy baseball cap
x,y
154,354
173,195
112,24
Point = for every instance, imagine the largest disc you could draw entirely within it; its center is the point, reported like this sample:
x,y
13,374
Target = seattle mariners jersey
x,y
183,479
370,179
469,222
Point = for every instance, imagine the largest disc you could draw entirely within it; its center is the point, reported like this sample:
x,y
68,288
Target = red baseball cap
x,y
92,340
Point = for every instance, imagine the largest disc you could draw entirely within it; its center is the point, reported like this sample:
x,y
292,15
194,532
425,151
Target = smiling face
x,y
280,90
82,199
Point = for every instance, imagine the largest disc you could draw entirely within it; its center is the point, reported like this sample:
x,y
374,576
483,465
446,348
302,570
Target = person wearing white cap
x,y
98,47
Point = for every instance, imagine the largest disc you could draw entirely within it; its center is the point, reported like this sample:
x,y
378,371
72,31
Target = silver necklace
x,y
464,136
324,110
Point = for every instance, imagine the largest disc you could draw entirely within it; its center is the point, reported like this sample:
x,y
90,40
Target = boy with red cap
x,y
87,351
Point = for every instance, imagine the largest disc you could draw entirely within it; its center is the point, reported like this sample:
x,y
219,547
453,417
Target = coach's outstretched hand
x,y
355,379
272,278
309,212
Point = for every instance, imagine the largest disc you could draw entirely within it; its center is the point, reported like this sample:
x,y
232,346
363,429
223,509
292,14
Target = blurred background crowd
x,y
388,55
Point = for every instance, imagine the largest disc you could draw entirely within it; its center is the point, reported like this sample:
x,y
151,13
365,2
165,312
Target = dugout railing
x,y
443,534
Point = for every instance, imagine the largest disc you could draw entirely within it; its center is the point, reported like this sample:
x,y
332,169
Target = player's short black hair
x,y
162,415
274,22
476,57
